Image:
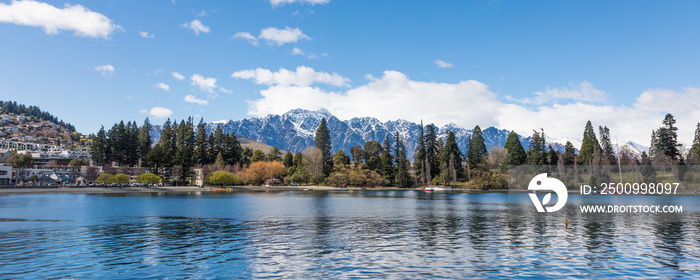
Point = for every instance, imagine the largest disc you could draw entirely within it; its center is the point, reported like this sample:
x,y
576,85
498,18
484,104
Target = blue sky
x,y
518,65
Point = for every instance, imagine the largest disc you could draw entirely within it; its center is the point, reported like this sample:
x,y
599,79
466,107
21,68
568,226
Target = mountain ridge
x,y
294,130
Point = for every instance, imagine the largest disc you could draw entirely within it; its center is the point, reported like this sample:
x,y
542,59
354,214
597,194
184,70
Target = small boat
x,y
437,189
307,190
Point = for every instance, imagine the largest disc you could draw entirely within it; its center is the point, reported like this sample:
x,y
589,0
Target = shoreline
x,y
17,190
173,190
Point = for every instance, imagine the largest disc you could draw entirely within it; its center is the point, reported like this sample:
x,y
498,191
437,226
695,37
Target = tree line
x,y
11,107
437,161
181,147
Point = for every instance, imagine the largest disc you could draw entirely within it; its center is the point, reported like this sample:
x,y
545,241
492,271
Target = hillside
x,y
30,124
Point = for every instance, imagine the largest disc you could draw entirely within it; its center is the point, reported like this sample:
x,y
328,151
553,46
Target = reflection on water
x,y
368,234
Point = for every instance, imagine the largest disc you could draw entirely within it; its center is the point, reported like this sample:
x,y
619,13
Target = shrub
x,y
148,178
257,172
222,178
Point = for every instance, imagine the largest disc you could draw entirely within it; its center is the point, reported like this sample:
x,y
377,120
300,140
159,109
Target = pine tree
x,y
569,155
288,160
166,149
201,149
606,146
536,153
323,142
419,157
667,140
432,150
100,153
402,178
451,158
694,154
386,160
274,155
145,141
477,148
589,146
185,149
553,156
516,152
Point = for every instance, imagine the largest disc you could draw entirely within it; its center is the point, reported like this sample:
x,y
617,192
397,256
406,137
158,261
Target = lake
x,y
337,234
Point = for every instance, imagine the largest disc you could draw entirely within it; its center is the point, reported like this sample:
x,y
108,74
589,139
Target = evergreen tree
x,y
589,146
274,155
477,148
432,150
356,152
402,178
569,155
606,146
536,153
451,158
516,152
258,155
145,141
166,149
386,160
132,145
201,147
323,143
100,147
553,156
419,157
667,140
232,150
694,154
184,156
288,160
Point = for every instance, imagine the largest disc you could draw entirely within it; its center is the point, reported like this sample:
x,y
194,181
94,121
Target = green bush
x,y
222,178
121,178
148,178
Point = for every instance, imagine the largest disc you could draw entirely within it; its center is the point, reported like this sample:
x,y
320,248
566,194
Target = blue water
x,y
312,235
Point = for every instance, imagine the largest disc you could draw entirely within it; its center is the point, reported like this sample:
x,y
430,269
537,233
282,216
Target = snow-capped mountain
x,y
295,130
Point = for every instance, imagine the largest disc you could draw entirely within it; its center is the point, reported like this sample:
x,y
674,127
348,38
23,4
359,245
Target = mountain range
x,y
293,131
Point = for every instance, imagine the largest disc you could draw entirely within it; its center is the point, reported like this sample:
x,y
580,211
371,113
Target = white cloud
x,y
178,76
196,26
282,36
207,85
303,76
297,51
276,3
247,36
583,92
391,97
146,35
162,86
74,18
106,70
158,112
193,99
443,64
469,103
